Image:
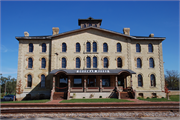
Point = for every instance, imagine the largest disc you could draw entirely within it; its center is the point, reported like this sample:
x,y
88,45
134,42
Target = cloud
x,y
9,71
5,49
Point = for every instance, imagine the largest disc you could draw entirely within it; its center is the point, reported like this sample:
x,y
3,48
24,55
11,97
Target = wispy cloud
x,y
5,49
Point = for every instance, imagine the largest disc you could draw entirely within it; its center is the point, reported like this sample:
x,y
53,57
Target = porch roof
x,y
91,71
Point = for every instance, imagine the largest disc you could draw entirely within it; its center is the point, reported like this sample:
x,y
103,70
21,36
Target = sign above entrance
x,y
92,71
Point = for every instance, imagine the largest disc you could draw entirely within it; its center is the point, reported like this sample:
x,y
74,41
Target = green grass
x,y
27,101
174,98
94,100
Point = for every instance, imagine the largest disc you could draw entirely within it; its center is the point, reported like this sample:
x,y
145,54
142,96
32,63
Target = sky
x,y
38,18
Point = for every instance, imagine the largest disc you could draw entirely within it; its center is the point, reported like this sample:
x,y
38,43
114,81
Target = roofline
x,y
90,27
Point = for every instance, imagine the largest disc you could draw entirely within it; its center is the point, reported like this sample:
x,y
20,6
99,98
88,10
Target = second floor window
x,y
88,47
105,47
30,63
139,63
88,62
138,47
94,47
78,63
77,47
150,47
30,47
63,62
29,81
151,63
64,47
118,47
42,81
43,47
119,62
140,80
43,63
94,62
106,63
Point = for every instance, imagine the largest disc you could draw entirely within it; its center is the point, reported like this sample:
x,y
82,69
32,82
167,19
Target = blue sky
x,y
38,18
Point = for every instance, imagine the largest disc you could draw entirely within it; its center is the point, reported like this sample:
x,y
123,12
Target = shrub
x,y
83,97
91,96
100,96
162,97
147,98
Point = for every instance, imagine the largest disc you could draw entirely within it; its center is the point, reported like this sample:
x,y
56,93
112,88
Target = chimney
x,y
126,31
151,35
55,30
26,34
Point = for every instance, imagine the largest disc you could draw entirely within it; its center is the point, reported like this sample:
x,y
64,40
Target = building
x,y
90,62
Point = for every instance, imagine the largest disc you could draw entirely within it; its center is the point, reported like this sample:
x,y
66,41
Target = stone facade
x,y
54,55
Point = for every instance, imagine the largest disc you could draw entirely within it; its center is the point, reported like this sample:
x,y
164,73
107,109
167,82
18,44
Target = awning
x,y
91,71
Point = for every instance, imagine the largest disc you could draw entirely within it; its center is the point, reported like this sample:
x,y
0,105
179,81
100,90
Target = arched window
x,y
118,47
84,25
119,62
64,47
153,80
105,47
151,63
94,62
30,63
138,47
139,63
30,47
43,47
140,80
90,24
43,63
150,47
78,63
29,81
42,80
88,47
63,62
95,25
94,47
88,62
78,47
106,63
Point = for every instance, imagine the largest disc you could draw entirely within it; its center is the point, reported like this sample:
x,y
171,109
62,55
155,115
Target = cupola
x,y
89,22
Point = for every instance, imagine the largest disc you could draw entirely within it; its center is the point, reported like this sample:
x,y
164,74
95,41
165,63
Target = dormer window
x,y
89,22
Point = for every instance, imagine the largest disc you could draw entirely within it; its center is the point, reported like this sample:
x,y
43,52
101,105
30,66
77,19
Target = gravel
x,y
93,115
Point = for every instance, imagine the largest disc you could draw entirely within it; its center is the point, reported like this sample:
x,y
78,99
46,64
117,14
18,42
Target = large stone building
x,y
90,62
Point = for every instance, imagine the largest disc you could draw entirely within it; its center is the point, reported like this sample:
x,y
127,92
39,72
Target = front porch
x,y
92,85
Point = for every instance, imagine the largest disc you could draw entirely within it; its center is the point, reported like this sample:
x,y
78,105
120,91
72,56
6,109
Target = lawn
x,y
27,101
173,98
94,100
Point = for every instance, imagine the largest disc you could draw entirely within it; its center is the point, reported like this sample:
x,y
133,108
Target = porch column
x,y
69,87
100,84
116,82
53,89
85,78
131,81
125,82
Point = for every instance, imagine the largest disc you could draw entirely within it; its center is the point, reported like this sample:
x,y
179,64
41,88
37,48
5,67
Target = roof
x,y
91,71
91,27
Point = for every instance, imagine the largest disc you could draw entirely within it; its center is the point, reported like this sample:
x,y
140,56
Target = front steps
x,y
126,95
59,95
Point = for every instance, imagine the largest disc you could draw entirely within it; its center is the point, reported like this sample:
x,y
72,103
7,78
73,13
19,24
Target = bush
x,y
162,97
147,98
100,96
83,97
2,94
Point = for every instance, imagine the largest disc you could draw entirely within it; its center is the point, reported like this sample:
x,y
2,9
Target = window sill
x,y
140,87
104,52
43,52
139,68
150,53
29,68
118,52
153,87
137,52
42,68
29,52
63,52
120,68
91,68
77,52
90,52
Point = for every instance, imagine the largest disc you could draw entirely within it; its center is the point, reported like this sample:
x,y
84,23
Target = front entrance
x,y
121,81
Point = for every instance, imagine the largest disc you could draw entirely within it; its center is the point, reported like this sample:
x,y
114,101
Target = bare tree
x,y
172,79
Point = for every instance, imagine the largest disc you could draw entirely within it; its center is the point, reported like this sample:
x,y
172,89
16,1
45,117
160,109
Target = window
x,y
77,47
88,47
30,63
78,63
63,62
118,47
151,63
140,82
105,47
90,24
95,25
105,81
42,80
91,81
64,47
88,62
43,47
77,81
139,63
84,25
153,81
29,82
94,47
30,47
150,47
106,63
43,63
94,62
138,47
119,62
